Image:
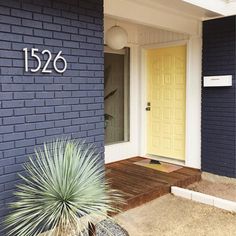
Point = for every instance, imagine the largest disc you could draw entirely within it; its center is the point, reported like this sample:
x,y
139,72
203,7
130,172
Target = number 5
x,y
33,50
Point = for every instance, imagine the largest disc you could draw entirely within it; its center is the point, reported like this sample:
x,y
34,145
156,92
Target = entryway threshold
x,y
166,159
204,198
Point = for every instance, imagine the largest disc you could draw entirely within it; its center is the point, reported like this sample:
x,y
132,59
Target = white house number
x,y
45,69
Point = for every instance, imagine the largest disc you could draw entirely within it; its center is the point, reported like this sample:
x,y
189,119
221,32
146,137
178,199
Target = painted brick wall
x,y
37,107
218,104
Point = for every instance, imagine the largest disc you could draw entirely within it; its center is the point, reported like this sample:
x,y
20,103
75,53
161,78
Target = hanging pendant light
x,y
116,37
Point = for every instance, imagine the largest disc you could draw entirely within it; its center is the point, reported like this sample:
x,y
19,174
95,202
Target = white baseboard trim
x,y
204,198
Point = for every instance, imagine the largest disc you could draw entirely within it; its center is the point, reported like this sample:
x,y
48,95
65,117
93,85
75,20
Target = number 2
x,y
48,61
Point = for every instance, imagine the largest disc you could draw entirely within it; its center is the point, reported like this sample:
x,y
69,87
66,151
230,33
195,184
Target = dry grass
x,y
172,216
215,185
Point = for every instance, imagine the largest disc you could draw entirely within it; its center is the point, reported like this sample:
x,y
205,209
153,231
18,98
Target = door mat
x,y
163,166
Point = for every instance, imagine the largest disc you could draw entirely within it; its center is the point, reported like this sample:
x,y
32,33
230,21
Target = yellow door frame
x,y
144,82
166,96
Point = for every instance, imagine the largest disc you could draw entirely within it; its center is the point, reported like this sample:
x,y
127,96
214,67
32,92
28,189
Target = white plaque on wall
x,y
217,81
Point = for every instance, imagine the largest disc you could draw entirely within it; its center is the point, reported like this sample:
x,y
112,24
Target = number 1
x,y
26,59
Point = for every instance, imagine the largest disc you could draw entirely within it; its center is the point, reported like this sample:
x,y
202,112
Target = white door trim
x,y
192,129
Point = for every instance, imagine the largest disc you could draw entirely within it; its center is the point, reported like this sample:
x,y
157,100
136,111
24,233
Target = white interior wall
x,y
144,35
138,38
147,36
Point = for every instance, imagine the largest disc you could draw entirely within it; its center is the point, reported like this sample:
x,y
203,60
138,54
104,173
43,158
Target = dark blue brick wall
x,y
37,107
218,104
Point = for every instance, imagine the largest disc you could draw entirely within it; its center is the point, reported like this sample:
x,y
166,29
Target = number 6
x,y
59,57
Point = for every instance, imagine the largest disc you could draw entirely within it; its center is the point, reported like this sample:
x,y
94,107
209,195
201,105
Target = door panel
x,y
167,94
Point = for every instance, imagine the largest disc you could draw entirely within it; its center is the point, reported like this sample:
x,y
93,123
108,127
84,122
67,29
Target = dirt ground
x,y
172,216
215,185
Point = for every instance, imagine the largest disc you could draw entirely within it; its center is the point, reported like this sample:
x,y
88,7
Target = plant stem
x,y
91,229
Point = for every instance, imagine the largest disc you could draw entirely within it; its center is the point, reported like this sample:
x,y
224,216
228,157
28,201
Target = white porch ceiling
x,y
181,7
222,7
149,13
182,16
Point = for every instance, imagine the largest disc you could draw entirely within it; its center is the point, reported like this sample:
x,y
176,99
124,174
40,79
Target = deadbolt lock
x,y
148,108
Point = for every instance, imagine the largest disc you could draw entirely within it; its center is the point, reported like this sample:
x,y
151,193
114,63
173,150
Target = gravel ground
x,y
217,186
172,216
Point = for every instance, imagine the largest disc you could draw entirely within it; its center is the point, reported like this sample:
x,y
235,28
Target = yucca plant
x,y
64,185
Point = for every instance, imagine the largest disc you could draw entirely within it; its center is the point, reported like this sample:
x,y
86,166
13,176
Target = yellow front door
x,y
166,68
